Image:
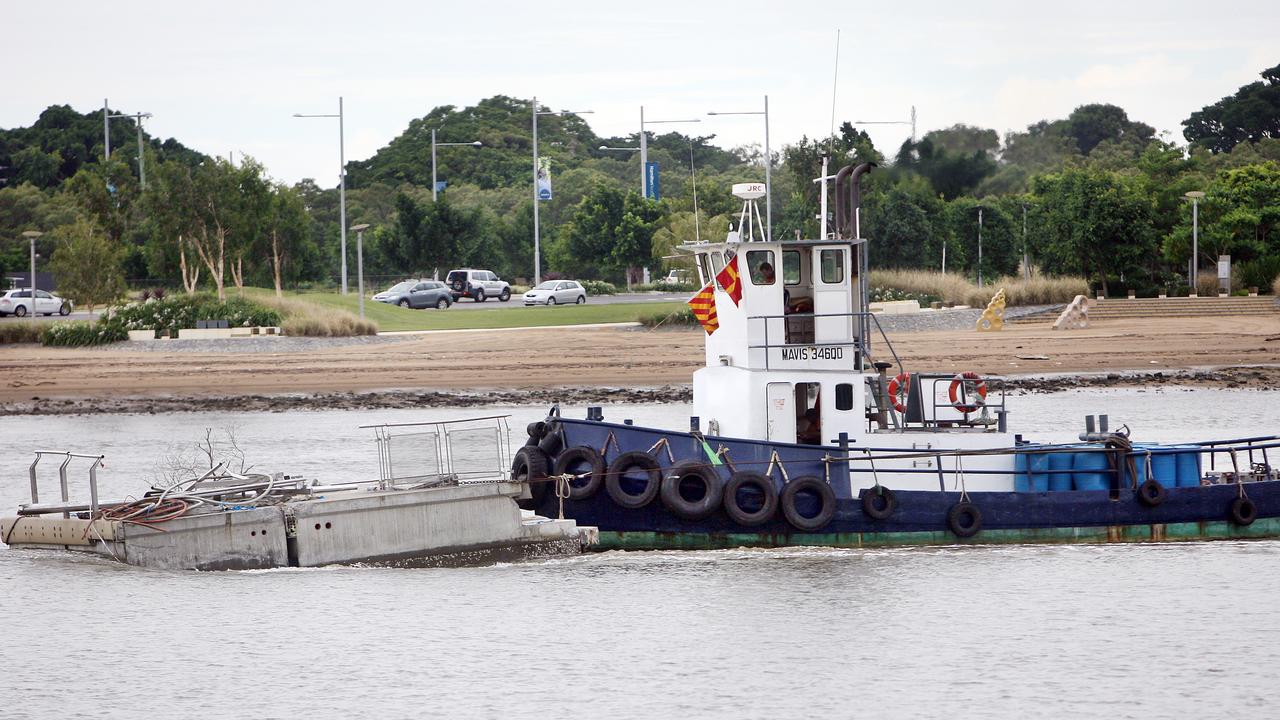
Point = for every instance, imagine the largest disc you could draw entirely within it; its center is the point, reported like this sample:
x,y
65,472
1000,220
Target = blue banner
x,y
651,189
544,178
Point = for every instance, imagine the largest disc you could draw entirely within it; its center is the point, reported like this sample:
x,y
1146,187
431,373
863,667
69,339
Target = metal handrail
x,y
62,477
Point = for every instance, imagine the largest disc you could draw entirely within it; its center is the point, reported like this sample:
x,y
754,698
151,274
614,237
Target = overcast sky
x,y
227,76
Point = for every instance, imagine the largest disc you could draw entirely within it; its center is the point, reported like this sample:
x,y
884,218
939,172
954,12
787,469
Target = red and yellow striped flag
x,y
704,308
729,280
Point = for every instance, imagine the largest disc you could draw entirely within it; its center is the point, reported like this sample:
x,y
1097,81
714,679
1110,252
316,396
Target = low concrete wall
x,y
239,540
895,307
360,526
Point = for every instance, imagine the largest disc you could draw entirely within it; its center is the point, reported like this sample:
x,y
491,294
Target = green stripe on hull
x,y
1217,530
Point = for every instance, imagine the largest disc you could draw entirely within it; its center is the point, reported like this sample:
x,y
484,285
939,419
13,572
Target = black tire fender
x,y
530,465
1151,493
700,472
581,460
747,478
551,442
629,464
1243,512
964,519
879,502
814,484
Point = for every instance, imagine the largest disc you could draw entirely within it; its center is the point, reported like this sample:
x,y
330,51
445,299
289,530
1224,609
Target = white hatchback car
x,y
556,292
18,302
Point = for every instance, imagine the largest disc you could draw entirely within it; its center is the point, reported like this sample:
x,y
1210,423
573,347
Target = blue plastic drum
x,y
1037,475
1060,466
1087,475
1188,466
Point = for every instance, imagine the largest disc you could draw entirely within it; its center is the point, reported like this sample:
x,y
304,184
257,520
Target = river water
x,y
1142,631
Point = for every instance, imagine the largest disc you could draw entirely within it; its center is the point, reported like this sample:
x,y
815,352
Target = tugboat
x,y
809,430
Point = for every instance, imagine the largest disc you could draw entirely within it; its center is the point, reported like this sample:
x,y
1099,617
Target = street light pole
x,y
537,248
768,166
644,148
106,131
1195,196
142,170
342,183
979,246
360,262
1026,251
32,235
434,144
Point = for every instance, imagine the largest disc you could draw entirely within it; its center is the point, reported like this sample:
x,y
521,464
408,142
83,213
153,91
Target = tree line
x,y
1095,194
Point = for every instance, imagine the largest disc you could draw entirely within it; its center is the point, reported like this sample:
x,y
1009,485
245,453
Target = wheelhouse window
x,y
761,266
704,267
844,396
832,262
790,267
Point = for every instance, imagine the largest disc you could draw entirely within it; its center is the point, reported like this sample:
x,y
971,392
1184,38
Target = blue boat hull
x,y
920,517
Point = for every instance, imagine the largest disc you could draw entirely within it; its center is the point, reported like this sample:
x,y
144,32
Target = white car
x,y
18,302
556,292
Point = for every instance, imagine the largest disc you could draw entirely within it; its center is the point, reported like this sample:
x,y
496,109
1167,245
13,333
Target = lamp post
x,y
32,235
360,262
1194,196
644,146
768,164
537,249
434,145
979,246
142,171
1026,250
342,184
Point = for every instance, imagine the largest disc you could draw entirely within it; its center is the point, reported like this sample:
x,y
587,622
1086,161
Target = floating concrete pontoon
x,y
226,521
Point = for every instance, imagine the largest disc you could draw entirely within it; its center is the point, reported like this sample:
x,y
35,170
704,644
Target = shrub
x,y
182,311
1275,286
1258,273
306,319
682,317
667,287
73,333
599,287
1207,284
20,332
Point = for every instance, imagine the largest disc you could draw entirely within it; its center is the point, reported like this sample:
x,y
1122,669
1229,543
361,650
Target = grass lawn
x,y
501,315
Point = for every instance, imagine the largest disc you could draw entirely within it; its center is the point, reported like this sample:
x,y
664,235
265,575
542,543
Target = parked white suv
x,y
18,302
478,285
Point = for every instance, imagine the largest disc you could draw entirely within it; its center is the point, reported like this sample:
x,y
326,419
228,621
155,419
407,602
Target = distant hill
x,y
62,140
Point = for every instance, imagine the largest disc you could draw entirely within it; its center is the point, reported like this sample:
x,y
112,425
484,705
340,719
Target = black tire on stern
x,y
964,519
530,465
879,502
699,473
1151,493
584,461
742,480
1243,512
629,468
813,484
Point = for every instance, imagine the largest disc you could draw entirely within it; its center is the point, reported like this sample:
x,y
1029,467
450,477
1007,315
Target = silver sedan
x,y
556,292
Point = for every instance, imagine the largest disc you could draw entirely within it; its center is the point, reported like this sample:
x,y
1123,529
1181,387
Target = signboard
x,y
441,185
544,178
1224,267
651,189
813,357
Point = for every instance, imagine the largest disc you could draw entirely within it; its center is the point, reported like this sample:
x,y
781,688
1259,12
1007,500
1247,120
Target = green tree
x,y
1253,113
87,265
1096,224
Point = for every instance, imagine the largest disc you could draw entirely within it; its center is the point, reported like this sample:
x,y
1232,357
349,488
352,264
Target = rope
x,y
562,491
1239,480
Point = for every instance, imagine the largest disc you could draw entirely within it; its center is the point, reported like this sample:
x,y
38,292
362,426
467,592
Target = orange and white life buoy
x,y
979,391
898,389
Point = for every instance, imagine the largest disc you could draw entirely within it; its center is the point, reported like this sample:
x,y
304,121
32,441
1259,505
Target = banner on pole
x,y
544,178
651,189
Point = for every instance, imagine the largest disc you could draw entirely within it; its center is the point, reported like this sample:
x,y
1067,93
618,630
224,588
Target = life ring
x,y
625,471
742,480
1243,512
878,502
964,519
530,466
585,463
691,471
901,384
826,496
1150,492
979,387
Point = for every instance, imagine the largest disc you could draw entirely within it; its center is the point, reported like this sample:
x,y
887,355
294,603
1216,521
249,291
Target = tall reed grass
x,y
1039,290
310,320
21,331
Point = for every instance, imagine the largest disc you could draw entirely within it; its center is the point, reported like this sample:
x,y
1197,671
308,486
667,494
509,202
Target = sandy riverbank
x,y
588,364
